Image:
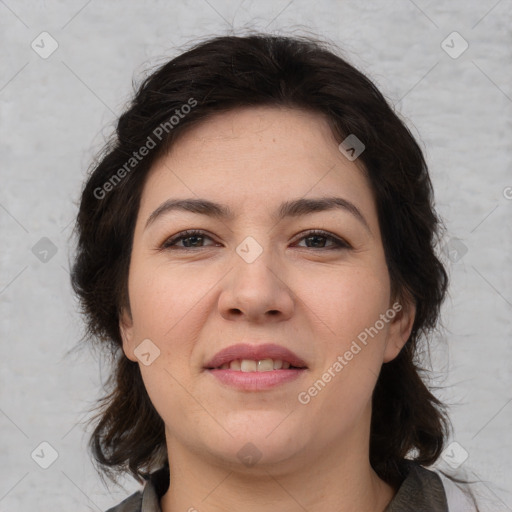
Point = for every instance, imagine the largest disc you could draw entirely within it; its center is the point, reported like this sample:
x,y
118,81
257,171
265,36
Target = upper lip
x,y
256,353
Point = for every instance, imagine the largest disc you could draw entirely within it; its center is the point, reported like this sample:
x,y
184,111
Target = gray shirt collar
x,y
421,490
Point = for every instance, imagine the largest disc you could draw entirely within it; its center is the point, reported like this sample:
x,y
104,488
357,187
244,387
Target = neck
x,y
337,478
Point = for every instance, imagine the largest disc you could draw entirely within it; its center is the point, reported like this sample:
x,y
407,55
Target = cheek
x,y
347,300
343,300
162,298
167,309
349,305
170,307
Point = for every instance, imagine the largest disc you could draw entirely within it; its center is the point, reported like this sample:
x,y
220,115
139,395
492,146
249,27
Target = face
x,y
310,280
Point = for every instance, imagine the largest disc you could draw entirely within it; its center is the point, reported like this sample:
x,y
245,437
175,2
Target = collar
x,y
421,487
155,488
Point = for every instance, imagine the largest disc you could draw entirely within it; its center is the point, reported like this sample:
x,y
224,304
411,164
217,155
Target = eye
x,y
195,239
192,238
318,239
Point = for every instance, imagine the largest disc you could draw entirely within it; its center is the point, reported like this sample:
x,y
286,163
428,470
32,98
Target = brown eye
x,y
318,238
192,239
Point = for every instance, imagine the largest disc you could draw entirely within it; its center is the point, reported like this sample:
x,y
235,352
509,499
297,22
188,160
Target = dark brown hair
x,y
222,74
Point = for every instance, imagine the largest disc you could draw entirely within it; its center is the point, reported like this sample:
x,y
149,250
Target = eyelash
x,y
340,244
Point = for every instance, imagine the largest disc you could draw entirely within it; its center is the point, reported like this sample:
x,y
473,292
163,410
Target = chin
x,y
262,438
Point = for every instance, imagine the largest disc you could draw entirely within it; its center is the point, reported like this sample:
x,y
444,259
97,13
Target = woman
x,y
256,247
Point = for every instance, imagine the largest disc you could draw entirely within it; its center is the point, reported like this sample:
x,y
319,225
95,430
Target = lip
x,y
256,381
255,353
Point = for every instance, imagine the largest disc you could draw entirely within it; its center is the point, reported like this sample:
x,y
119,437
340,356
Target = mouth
x,y
255,367
255,358
260,365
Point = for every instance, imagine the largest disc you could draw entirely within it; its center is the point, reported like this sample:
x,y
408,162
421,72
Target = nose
x,y
256,292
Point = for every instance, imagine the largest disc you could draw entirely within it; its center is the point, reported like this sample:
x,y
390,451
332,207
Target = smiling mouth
x,y
261,365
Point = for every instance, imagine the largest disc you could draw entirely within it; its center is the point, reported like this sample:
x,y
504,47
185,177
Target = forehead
x,y
271,128
243,156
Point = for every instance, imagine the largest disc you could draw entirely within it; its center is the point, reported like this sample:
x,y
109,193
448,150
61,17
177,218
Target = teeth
x,y
249,365
265,365
235,365
246,365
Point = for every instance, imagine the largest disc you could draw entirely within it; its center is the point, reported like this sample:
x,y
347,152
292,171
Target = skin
x,y
192,302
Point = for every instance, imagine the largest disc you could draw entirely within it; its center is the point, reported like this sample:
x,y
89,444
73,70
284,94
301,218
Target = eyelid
x,y
339,242
184,234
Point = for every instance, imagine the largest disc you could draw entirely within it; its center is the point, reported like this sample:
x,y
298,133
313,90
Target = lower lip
x,y
256,381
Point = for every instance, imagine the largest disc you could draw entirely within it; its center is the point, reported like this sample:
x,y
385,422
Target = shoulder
x,y
147,499
420,488
428,490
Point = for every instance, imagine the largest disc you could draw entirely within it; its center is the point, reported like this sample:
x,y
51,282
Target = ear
x,y
126,329
400,327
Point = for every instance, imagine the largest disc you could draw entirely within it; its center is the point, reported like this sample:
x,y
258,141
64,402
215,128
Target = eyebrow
x,y
295,208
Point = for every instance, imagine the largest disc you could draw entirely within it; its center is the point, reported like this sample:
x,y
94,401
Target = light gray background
x,y
55,111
